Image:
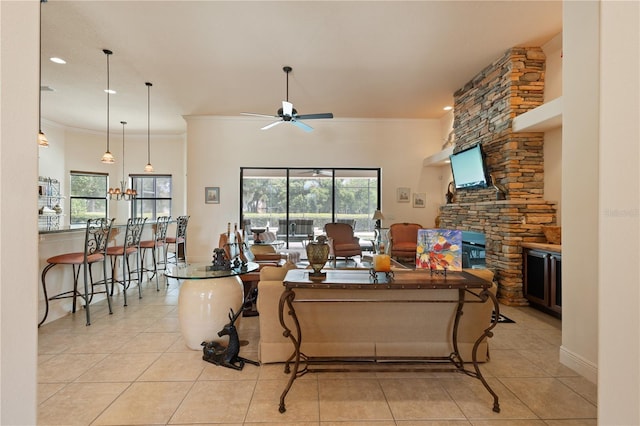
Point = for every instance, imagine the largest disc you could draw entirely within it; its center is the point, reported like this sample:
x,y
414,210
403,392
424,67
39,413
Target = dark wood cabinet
x,y
542,279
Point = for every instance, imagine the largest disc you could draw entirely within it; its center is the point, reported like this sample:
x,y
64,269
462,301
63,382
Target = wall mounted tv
x,y
468,168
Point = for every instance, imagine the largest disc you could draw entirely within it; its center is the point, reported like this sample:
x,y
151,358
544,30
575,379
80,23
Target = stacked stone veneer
x,y
506,225
484,110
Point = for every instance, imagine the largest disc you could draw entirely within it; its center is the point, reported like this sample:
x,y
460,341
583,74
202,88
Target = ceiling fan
x,y
289,114
317,172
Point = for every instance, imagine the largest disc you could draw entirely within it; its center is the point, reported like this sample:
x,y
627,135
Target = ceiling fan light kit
x,y
287,113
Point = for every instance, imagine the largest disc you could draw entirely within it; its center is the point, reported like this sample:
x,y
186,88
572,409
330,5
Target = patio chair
x,y
342,242
403,240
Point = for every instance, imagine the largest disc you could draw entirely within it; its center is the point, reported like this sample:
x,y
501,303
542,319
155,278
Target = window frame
x,y
136,204
288,173
72,197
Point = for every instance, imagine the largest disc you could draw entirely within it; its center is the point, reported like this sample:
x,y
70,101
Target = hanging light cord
x,y
123,123
148,122
42,139
108,52
40,72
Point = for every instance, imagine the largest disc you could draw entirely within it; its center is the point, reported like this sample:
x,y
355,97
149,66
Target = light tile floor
x,y
132,368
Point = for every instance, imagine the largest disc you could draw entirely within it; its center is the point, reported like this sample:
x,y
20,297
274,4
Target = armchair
x,y
403,240
342,242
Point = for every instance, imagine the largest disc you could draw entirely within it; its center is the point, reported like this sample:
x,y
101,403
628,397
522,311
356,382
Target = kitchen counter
x,y
543,246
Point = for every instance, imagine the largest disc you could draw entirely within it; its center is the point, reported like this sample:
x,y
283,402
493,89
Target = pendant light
x,y
122,193
42,139
107,157
148,168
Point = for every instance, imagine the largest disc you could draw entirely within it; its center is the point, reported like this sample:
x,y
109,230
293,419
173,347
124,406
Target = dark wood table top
x,y
401,279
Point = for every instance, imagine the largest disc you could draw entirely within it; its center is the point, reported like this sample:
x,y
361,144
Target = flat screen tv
x,y
468,168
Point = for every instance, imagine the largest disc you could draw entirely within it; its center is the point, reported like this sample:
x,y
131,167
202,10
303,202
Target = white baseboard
x,y
585,368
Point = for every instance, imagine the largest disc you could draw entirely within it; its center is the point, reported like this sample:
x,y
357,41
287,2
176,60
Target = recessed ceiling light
x,y
110,91
448,108
58,60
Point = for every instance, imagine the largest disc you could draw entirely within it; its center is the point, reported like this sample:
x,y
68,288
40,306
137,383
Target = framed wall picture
x,y
403,194
419,199
212,195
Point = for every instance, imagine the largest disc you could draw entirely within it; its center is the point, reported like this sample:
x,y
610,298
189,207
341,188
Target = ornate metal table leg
x,y
455,356
287,297
484,295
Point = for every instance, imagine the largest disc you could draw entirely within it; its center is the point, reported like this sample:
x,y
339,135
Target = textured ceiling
x,y
382,59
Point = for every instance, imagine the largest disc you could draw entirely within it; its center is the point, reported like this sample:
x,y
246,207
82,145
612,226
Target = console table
x,y
461,283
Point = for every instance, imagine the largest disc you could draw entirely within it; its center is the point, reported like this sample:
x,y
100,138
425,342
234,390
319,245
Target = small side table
x,y
206,298
256,234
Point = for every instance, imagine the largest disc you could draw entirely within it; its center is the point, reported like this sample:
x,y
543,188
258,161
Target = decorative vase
x,y
203,308
318,254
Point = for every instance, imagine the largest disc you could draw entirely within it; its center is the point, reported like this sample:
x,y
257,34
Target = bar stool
x,y
130,245
95,243
180,240
158,242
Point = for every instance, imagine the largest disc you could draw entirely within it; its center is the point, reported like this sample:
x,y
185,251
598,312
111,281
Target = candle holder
x,y
438,272
374,275
381,263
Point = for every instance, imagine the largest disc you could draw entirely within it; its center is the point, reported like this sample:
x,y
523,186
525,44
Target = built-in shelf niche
x,y
438,159
547,116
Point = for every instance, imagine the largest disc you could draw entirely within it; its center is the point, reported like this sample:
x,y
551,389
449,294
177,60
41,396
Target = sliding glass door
x,y
298,202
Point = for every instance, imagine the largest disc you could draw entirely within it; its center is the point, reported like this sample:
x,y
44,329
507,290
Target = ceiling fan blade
x,y
315,116
268,126
287,108
302,125
258,115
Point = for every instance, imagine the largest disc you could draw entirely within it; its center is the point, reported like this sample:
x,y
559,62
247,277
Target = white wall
x,y
553,169
553,138
553,68
580,183
218,146
619,229
19,54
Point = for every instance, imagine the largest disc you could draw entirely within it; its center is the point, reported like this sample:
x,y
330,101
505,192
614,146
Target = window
x,y
154,196
88,196
279,197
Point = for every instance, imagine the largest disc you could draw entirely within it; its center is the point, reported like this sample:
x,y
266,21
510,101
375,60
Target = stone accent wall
x,y
484,110
506,224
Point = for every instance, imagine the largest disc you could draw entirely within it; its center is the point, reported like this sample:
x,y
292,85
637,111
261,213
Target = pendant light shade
x,y
107,157
148,168
42,139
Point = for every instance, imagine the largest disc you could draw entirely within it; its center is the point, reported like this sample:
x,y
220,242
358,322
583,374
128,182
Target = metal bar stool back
x,y
180,240
158,242
130,245
96,238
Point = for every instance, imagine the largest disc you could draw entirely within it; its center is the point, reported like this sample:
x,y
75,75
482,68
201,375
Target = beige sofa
x,y
370,329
